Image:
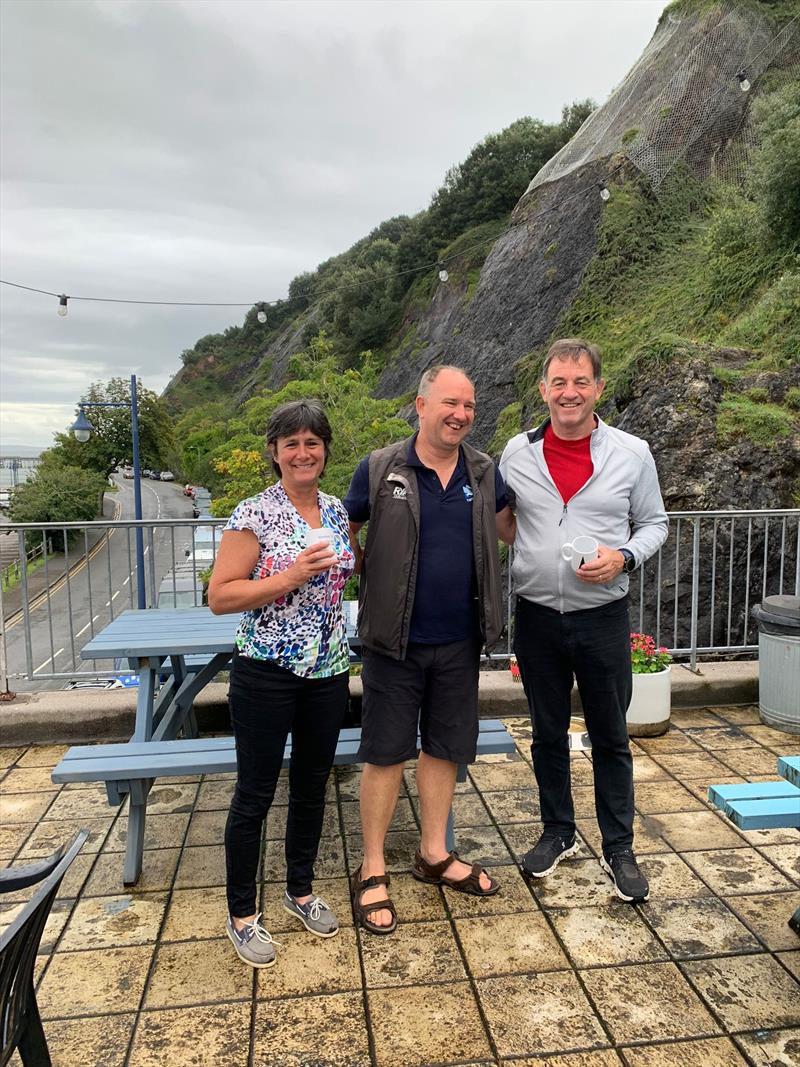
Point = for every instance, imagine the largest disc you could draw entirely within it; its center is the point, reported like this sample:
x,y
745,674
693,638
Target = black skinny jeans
x,y
267,703
592,645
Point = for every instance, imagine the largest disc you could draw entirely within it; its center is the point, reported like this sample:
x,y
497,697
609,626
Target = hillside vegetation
x,y
702,262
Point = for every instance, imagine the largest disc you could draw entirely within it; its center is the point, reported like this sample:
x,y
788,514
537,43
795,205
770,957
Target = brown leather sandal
x,y
433,874
361,911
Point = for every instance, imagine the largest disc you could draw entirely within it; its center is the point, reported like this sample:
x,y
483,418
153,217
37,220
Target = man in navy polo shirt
x,y
429,598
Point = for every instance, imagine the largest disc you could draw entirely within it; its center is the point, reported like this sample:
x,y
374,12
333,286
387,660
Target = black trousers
x,y
593,646
267,703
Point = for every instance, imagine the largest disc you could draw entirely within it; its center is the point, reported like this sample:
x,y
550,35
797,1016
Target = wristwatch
x,y
630,563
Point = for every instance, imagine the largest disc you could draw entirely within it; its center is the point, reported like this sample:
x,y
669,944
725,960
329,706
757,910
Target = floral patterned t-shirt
x,y
303,631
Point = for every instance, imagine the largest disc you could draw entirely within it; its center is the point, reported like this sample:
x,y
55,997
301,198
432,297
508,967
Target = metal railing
x,y
694,596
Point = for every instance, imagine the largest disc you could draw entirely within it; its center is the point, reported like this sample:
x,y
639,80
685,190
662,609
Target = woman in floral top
x,y
283,562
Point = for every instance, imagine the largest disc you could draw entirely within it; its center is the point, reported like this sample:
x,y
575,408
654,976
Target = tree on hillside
x,y
486,186
111,441
359,423
199,432
58,493
776,174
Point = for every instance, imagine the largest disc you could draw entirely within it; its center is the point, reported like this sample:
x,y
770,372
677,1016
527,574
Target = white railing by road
x,y
694,596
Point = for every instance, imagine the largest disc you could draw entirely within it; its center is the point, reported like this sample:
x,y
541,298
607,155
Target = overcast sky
x,y
210,151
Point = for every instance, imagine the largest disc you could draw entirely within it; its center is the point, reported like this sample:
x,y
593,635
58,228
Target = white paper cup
x,y
322,534
581,550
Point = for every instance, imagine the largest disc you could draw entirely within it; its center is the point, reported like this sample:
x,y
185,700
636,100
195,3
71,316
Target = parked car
x,y
204,539
180,588
167,476
155,475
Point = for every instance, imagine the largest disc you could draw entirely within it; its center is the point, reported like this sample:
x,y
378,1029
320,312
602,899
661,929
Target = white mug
x,y
581,550
323,533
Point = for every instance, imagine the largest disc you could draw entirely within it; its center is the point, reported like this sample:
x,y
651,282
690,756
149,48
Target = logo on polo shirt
x,y
468,493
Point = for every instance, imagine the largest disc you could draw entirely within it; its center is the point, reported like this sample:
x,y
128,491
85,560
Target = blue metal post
x,y
137,497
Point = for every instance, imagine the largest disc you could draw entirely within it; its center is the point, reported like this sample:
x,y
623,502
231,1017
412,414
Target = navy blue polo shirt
x,y
445,599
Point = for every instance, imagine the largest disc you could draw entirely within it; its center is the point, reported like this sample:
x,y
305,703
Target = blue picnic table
x,y
191,644
186,647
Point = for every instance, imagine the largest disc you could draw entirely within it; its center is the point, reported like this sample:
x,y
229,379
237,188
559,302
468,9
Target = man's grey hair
x,y
432,373
573,348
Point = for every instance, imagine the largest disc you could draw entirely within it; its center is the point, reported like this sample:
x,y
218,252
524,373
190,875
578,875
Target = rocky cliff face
x,y
529,278
677,409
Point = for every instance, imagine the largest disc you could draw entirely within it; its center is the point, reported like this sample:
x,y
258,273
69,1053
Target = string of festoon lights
x,y
440,265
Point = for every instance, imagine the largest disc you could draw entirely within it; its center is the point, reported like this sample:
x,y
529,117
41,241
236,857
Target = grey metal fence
x,y
694,596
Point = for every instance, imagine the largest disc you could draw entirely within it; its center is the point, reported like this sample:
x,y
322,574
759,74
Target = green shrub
x,y
509,423
776,174
763,424
727,376
772,323
758,394
655,355
793,398
58,494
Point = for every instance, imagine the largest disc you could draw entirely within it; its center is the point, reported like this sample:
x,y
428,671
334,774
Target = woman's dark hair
x,y
299,415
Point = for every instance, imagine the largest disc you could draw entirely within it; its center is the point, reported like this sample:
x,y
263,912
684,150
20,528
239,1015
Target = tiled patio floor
x,y
705,975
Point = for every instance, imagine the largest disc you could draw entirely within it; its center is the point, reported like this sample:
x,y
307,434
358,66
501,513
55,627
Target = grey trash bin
x,y
778,620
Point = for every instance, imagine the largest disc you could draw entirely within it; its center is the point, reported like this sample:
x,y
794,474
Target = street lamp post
x,y
82,430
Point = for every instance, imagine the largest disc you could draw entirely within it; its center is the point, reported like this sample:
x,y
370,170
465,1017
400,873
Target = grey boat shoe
x,y
253,942
315,915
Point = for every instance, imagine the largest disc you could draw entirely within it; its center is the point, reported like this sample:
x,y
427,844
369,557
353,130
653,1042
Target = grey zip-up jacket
x,y
620,506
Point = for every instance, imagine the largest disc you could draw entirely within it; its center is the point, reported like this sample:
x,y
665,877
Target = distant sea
x,y
23,452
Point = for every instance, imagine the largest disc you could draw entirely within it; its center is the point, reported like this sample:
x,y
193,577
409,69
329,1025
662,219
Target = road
x,y
97,590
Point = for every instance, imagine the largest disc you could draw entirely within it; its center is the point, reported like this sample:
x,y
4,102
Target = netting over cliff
x,y
683,101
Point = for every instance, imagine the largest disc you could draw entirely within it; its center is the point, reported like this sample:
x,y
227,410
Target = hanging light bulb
x,y
262,315
443,275
62,305
744,82
604,191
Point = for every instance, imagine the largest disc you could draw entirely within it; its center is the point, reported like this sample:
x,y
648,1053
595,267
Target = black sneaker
x,y
547,853
629,882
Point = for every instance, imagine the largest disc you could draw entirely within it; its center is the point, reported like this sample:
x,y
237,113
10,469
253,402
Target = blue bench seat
x,y
789,767
130,768
758,805
764,805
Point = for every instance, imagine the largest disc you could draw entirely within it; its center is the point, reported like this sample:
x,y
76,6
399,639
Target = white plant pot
x,y
648,713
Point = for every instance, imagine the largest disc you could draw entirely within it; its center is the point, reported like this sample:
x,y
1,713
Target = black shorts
x,y
434,688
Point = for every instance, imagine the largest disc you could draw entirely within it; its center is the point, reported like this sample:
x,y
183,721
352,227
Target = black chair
x,y
20,1024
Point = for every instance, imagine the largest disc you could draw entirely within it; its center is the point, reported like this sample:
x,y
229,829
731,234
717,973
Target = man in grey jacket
x,y
575,476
